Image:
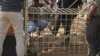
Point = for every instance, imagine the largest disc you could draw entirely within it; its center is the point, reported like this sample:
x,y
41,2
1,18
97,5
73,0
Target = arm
x,y
92,11
47,1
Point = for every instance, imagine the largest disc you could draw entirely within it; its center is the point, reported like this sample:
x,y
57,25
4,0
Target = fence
x,y
45,43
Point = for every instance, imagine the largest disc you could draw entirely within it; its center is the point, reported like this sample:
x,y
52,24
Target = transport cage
x,y
42,42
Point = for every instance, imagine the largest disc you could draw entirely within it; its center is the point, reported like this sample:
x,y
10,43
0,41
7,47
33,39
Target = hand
x,y
88,21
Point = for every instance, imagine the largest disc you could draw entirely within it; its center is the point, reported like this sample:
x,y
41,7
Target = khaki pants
x,y
16,19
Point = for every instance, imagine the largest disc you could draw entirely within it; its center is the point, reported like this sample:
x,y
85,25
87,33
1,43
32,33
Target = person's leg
x,y
65,38
99,35
16,20
3,29
67,23
91,37
99,42
92,52
56,26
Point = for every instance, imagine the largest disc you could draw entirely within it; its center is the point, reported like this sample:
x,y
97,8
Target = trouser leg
x,y
91,37
67,26
3,31
56,26
17,22
67,23
92,52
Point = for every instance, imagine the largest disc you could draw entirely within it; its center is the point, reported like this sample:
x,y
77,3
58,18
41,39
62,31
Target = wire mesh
x,y
45,43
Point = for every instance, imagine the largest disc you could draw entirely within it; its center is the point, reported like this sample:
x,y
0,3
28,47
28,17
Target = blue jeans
x,y
93,36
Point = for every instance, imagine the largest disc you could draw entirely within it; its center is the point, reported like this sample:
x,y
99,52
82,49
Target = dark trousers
x,y
9,47
93,36
66,22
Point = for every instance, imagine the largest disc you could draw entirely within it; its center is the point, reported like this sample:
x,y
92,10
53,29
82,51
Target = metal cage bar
x,y
41,41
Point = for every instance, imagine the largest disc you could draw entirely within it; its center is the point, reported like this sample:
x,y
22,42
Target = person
x,y
10,13
66,20
93,28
